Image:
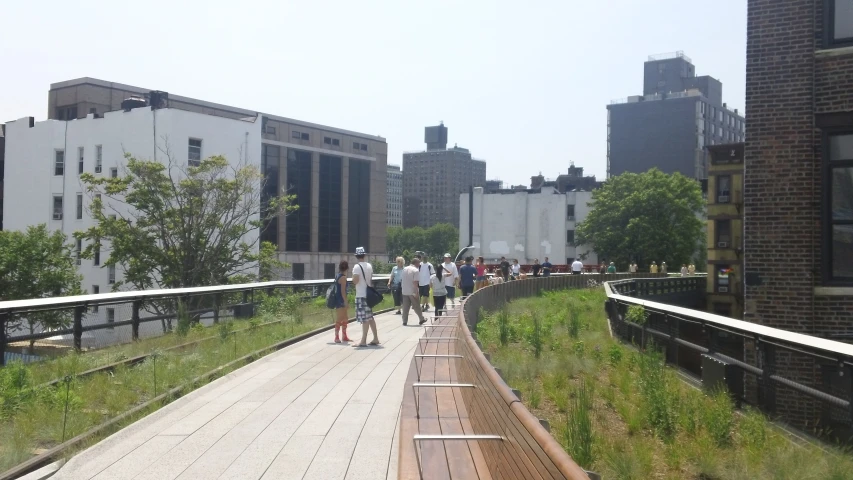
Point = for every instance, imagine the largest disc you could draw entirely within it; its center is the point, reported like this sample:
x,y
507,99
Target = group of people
x,y
662,268
412,285
511,271
362,277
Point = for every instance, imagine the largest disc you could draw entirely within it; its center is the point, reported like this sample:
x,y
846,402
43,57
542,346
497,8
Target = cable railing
x,y
800,379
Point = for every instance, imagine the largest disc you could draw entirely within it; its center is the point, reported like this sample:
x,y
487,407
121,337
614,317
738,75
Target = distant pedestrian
x,y
451,278
515,269
426,271
409,289
467,275
439,290
662,267
691,269
395,281
536,268
633,267
504,266
481,273
546,268
684,270
611,268
577,267
362,276
653,268
341,316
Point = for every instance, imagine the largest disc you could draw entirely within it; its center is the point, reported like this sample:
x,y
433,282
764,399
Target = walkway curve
x,y
314,410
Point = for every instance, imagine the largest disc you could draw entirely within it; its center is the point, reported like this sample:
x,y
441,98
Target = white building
x,y
394,196
526,225
44,161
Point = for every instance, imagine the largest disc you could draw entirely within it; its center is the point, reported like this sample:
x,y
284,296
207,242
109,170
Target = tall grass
x,y
625,414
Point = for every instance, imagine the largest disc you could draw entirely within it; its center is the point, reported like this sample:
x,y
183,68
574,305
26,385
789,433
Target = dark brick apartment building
x,y
798,187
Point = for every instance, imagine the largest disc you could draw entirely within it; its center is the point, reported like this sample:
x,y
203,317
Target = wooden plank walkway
x,y
315,410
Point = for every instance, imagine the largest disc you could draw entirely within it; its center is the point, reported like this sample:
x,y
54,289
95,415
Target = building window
x,y
79,160
300,135
57,207
114,172
330,207
111,316
724,188
270,158
95,290
59,163
79,251
270,130
358,227
723,232
331,141
97,259
327,140
299,271
570,237
194,152
79,206
838,208
840,24
723,277
111,274
329,270
570,212
298,224
99,158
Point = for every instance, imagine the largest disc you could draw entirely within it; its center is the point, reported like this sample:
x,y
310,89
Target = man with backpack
x,y
362,278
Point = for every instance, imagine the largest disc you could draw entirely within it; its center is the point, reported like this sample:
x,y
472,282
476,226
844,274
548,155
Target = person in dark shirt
x,y
546,268
467,275
505,269
536,267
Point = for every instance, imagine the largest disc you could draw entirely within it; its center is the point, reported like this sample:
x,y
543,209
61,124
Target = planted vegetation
x,y
33,416
623,413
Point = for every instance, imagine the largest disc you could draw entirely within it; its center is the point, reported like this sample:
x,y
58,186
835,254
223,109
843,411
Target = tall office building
x,y
433,180
337,176
394,196
669,125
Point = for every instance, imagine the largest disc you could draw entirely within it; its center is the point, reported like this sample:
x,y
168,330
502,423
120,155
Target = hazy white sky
x,y
523,85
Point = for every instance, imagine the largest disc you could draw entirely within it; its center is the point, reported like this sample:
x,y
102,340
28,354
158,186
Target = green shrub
x,y
574,322
752,430
224,330
503,326
660,396
577,435
615,354
183,327
637,314
534,397
718,417
535,335
579,348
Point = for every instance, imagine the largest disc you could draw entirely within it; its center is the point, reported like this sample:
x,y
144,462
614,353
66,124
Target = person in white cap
x,y
362,276
451,277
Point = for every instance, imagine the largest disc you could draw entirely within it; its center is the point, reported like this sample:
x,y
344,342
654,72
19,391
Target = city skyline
x,y
539,75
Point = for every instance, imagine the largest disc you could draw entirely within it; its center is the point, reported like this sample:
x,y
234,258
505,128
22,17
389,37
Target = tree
x,y
37,264
170,226
644,217
434,241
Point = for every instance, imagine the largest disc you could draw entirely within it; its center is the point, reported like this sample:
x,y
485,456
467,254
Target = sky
x,y
523,85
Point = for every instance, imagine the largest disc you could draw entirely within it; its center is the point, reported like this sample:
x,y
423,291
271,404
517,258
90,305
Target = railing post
x,y
78,328
217,299
4,320
766,354
134,318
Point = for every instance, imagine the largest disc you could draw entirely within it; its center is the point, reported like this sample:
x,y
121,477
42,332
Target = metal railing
x,y
106,319
800,379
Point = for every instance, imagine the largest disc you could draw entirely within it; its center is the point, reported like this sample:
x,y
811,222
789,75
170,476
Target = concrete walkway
x,y
315,410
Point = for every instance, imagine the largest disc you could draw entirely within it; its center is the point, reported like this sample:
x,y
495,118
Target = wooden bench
x,y
459,420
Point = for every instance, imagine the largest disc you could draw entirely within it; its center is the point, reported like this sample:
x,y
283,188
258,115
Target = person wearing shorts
x,y
467,274
481,273
362,276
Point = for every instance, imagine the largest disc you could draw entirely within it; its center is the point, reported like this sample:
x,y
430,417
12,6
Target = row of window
x,y
59,160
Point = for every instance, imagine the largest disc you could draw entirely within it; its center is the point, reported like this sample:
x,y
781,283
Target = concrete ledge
x,y
833,52
833,291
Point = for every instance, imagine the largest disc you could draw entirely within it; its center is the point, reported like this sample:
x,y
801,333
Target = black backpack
x,y
331,295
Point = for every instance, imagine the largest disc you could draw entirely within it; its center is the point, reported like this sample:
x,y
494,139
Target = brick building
x,y
798,192
798,186
725,230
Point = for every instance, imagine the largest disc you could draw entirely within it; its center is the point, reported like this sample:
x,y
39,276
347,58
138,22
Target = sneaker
x,y
337,340
422,322
398,312
405,323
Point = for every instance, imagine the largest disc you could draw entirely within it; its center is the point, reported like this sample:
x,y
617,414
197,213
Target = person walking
x,y
341,317
362,276
409,290
426,271
611,268
577,267
451,278
481,273
683,270
395,283
515,271
546,268
504,266
662,267
633,267
653,268
467,274
536,267
439,290
691,269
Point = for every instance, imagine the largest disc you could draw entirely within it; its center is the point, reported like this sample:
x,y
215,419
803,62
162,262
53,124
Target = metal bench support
x,y
420,344
420,438
422,356
416,386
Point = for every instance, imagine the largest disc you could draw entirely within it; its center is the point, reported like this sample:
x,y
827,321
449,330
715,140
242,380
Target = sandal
x,y
373,343
360,345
